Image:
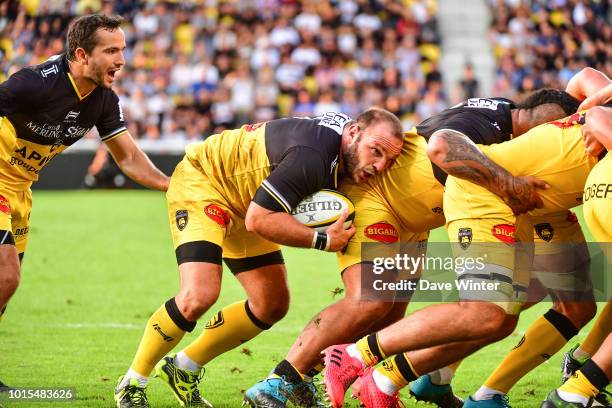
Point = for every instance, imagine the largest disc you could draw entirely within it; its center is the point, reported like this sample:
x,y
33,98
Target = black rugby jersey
x,y
485,121
43,113
303,155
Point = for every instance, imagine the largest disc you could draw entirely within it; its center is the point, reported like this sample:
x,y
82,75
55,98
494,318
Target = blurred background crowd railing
x,y
194,68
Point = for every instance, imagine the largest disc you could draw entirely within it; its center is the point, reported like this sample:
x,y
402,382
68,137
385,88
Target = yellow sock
x,y
399,370
370,350
161,335
580,385
599,332
547,335
229,328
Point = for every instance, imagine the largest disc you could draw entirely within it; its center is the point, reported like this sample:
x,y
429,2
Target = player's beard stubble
x,y
350,157
97,75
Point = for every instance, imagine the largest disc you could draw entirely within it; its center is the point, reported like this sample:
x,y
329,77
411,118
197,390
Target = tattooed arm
x,y
458,156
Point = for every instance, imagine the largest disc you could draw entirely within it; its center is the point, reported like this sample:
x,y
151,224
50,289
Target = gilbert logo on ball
x,y
322,209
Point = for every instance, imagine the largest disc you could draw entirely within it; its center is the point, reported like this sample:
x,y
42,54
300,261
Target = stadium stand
x,y
544,43
195,68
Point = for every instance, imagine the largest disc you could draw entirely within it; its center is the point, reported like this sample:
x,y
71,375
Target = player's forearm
x,y
587,83
141,169
460,157
281,228
598,124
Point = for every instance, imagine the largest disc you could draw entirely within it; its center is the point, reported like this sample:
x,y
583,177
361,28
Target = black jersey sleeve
x,y
22,89
111,122
301,172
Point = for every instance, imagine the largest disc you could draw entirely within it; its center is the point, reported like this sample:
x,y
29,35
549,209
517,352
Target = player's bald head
x,y
378,115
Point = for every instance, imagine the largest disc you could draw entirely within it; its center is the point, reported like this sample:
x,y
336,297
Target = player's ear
x,y
81,55
353,131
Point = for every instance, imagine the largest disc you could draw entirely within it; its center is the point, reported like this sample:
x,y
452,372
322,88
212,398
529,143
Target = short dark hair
x,y
372,115
82,32
565,101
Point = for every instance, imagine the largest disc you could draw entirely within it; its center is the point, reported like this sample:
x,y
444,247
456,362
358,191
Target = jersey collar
x,y
71,79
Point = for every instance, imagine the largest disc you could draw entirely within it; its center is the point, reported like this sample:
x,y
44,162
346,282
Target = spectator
x,y
197,67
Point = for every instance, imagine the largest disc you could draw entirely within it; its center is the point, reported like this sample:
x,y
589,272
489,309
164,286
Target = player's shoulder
x,y
493,103
316,132
49,70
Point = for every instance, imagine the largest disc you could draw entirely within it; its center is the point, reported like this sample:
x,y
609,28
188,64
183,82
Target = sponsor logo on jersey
x,y
218,215
52,70
215,321
545,231
21,231
601,190
568,122
71,116
5,206
465,237
253,126
182,218
571,217
504,232
333,120
382,232
120,112
483,103
437,210
161,333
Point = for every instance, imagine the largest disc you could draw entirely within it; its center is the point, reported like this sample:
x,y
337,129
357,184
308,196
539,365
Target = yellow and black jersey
x,y
412,188
484,120
556,155
42,113
276,164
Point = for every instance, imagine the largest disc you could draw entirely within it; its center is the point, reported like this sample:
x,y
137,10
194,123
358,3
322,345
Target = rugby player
x,y
46,108
478,221
230,199
560,268
402,206
586,385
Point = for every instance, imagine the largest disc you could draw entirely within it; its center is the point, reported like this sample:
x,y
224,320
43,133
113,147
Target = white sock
x,y
580,354
183,362
384,383
142,380
571,397
443,376
354,352
486,393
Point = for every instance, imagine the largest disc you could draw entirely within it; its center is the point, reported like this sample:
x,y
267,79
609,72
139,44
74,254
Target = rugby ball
x,y
322,209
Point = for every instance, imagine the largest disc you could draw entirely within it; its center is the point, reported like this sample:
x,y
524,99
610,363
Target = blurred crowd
x,y
195,68
543,43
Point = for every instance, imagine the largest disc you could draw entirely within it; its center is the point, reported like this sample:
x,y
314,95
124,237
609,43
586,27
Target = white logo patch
x,y
120,112
48,71
334,120
483,103
71,116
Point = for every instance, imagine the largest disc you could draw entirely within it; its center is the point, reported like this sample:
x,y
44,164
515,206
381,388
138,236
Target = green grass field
x,y
99,263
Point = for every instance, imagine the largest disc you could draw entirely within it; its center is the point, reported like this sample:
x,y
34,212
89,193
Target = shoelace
x,y
136,394
195,379
503,398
